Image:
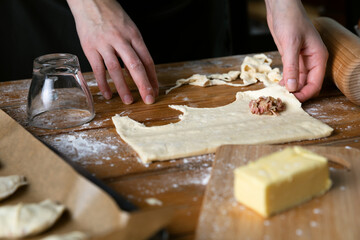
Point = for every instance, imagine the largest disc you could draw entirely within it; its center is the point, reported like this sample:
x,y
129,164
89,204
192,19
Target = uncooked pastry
x,y
23,220
202,130
259,67
206,81
9,184
253,69
68,236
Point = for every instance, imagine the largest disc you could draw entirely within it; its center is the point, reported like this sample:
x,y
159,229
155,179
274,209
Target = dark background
x,y
218,28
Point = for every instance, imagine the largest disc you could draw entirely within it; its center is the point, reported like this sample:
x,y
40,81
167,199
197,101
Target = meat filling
x,y
266,105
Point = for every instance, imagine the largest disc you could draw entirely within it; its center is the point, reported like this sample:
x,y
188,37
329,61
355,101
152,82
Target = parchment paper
x,y
89,208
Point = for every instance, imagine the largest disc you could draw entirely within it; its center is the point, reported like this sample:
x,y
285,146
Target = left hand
x,y
106,32
303,53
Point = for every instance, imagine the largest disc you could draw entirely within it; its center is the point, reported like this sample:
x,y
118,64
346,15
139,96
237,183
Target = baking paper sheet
x,y
89,208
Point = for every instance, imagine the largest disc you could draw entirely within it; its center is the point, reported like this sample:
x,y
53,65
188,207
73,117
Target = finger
x,y
291,65
97,65
146,59
115,71
308,91
313,85
138,73
303,72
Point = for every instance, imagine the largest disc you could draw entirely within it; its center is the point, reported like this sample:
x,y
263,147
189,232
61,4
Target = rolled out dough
x,y
202,130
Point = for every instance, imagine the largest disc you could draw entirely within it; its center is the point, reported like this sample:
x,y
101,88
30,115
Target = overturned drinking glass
x,y
58,96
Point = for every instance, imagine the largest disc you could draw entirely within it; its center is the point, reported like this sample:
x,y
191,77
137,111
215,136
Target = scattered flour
x,y
15,87
314,224
80,147
94,124
189,161
125,113
197,178
317,211
299,232
175,183
92,83
179,95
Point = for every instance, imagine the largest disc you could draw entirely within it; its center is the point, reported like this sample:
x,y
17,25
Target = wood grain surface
x,y
331,216
177,183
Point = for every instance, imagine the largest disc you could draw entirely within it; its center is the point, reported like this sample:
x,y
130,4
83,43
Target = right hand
x,y
303,53
106,32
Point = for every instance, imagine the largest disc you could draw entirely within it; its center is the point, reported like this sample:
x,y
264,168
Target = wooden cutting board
x,y
334,215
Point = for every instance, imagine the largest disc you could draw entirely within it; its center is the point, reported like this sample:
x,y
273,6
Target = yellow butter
x,y
281,180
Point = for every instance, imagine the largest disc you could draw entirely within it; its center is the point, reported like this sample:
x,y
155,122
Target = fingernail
x,y
149,99
107,95
128,99
291,85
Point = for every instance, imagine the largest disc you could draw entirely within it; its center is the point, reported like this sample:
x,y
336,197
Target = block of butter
x,y
281,180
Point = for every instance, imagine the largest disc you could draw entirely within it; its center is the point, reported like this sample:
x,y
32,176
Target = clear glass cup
x,y
58,96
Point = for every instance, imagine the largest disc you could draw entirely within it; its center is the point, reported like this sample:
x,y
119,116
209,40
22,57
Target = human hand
x,y
106,32
303,53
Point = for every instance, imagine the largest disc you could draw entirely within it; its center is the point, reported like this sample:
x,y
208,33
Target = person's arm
x,y
106,32
303,53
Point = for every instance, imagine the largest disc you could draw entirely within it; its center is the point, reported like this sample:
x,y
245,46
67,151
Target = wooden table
x,y
179,183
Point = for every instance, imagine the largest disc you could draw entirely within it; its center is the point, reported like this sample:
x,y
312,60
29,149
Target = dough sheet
x,y
202,130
